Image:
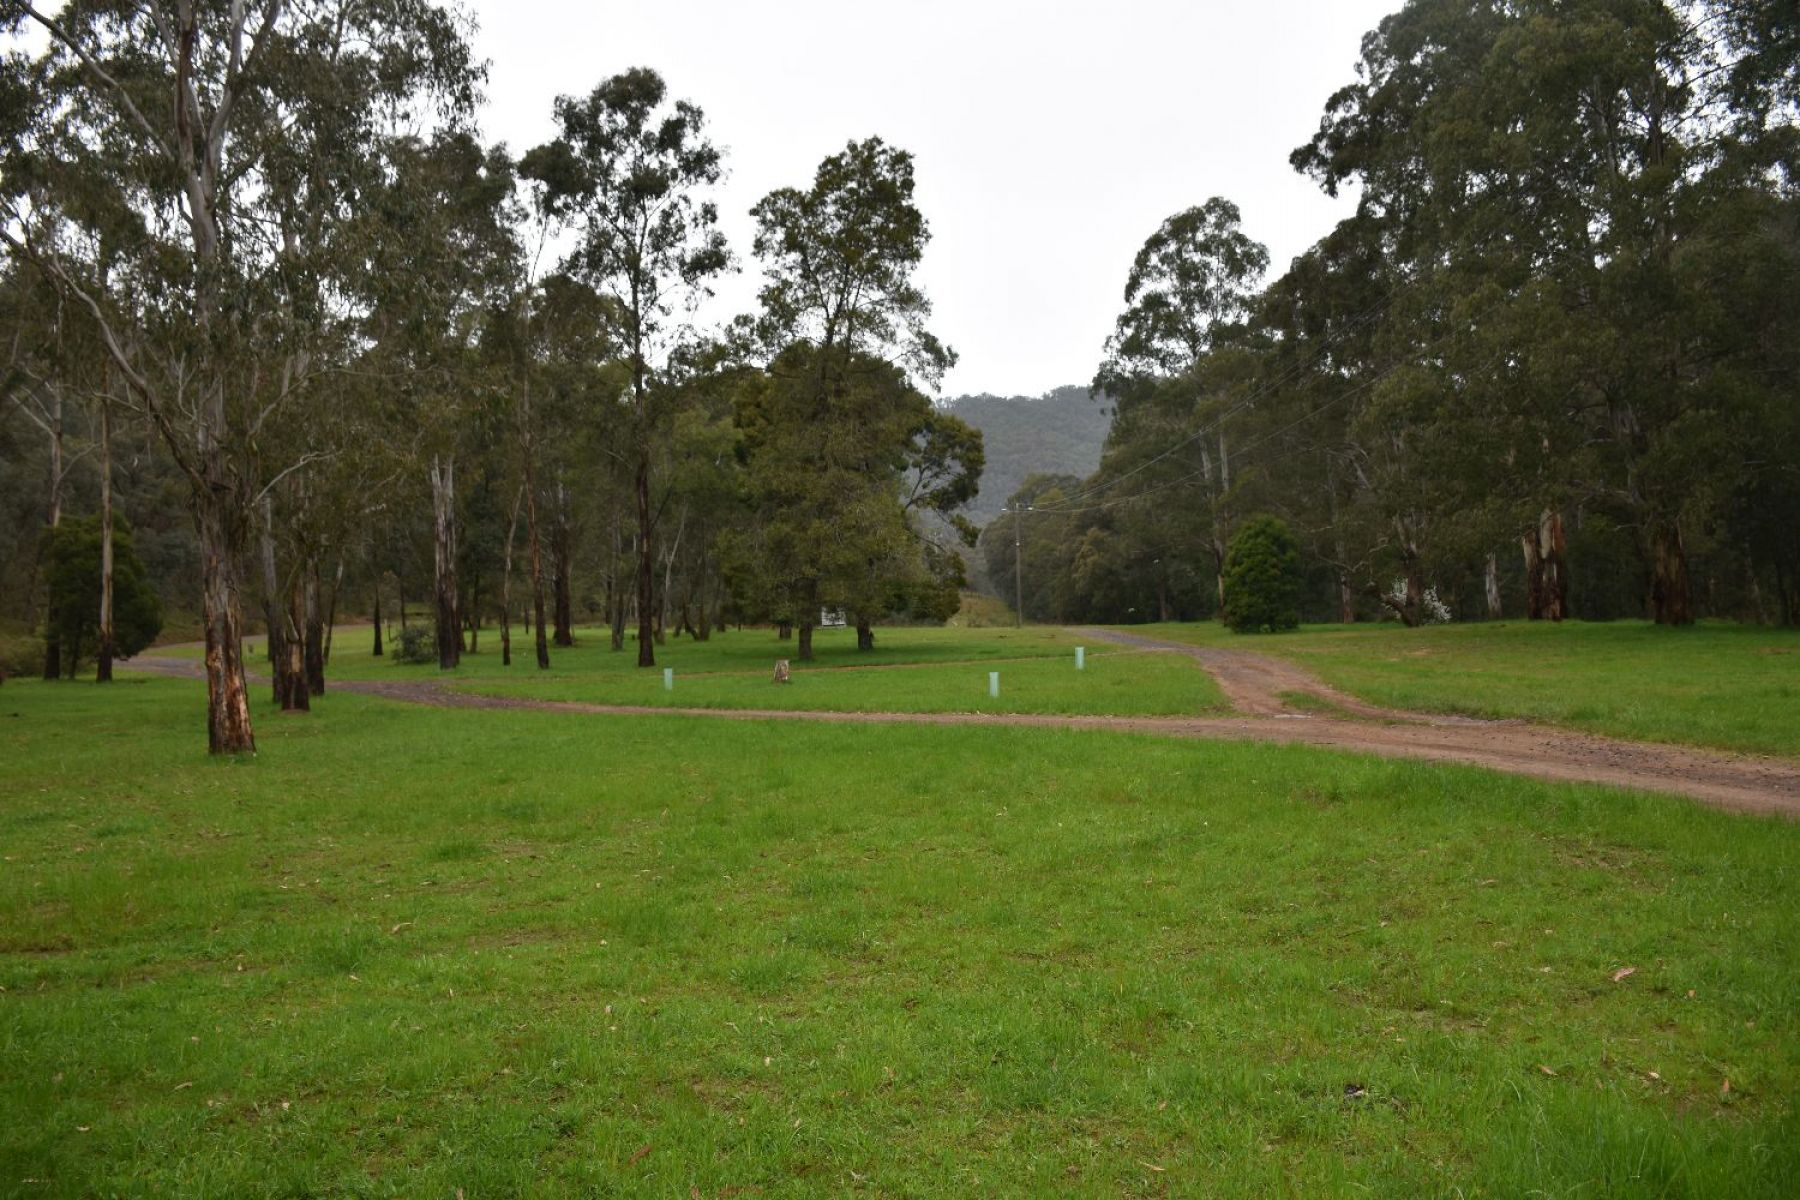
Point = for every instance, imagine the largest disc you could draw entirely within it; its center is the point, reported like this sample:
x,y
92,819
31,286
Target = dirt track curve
x,y
1254,684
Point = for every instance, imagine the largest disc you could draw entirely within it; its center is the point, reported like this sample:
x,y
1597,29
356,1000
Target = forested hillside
x,y
1059,433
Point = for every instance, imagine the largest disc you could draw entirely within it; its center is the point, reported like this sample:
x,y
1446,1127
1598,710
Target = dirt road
x,y
1254,684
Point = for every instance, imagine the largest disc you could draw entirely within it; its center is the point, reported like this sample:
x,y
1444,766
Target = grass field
x,y
411,952
1734,686
912,670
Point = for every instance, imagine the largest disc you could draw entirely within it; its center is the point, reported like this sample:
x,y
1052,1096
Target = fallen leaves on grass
x,y
1620,975
637,1155
1545,1070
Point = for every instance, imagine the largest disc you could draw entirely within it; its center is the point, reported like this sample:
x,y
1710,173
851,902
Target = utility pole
x,y
1019,512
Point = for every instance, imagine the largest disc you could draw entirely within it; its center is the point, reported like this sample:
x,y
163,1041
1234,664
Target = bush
x,y
20,655
1263,578
416,644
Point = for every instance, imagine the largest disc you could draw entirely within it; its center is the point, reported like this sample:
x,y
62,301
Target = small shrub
x,y
1263,578
416,644
20,655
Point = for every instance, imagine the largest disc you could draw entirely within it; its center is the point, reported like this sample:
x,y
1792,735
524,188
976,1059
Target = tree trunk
x,y
104,670
512,530
378,650
562,548
809,616
1492,580
1415,594
1346,600
228,729
784,631
443,511
337,582
534,545
1670,595
296,694
1546,569
646,567
52,647
865,634
313,642
274,622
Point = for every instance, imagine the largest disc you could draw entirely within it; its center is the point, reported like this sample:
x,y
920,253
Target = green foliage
x,y
841,456
1192,282
20,654
1263,577
840,258
1568,289
72,571
415,644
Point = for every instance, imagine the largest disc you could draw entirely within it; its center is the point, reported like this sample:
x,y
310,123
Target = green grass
x,y
414,952
1717,684
1141,684
745,650
911,670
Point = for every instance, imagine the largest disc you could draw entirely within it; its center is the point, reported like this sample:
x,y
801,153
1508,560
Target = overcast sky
x,y
1050,139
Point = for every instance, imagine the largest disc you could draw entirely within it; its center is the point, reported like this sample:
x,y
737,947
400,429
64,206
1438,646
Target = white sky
x,y
1050,138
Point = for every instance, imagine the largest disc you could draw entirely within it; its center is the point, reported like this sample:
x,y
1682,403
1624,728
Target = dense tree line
x,y
261,266
1547,368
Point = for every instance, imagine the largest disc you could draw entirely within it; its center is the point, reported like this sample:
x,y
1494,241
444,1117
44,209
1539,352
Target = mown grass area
x,y
414,952
746,650
912,669
1717,684
1132,684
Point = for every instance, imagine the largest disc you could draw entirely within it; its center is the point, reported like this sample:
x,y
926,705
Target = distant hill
x,y
1060,432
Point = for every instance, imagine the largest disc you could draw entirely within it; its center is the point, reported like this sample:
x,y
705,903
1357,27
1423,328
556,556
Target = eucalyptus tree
x,y
629,171
837,465
1580,187
215,149
840,260
1189,292
47,373
441,252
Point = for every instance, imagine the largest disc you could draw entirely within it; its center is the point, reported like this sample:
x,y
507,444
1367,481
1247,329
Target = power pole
x,y
1019,564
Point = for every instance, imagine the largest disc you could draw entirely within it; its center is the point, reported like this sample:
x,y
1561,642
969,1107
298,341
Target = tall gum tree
x,y
1598,163
1191,286
176,123
629,171
840,259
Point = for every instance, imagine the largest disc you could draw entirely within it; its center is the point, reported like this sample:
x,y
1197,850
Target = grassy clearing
x,y
407,952
1733,686
1136,684
912,670
744,650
